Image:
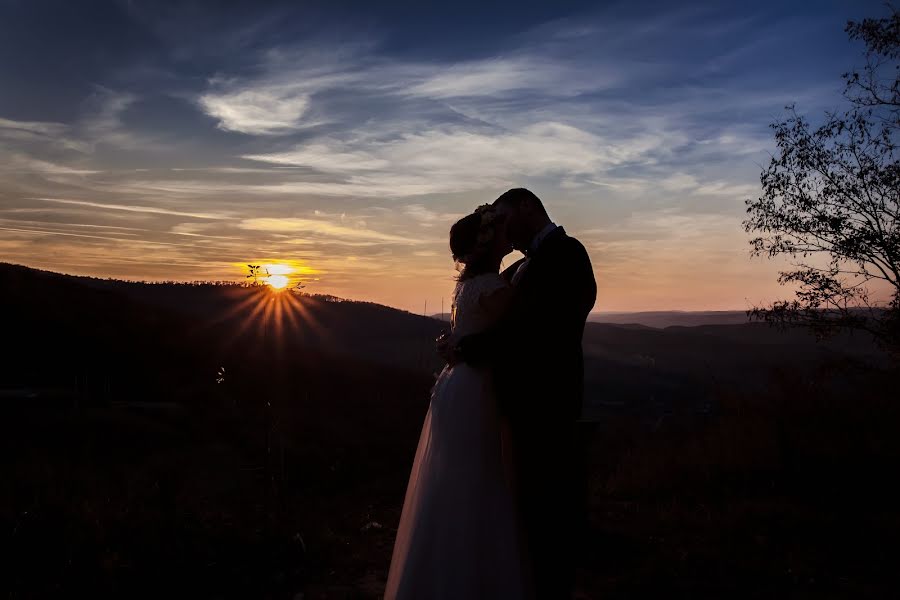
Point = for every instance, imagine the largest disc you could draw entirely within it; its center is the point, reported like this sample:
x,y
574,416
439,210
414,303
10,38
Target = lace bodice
x,y
467,315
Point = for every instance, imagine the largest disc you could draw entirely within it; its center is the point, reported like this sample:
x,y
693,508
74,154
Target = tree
x,y
831,201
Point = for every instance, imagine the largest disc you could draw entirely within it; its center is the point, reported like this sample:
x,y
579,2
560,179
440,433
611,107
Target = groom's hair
x,y
516,196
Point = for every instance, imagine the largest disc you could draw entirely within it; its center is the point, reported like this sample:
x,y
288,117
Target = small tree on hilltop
x,y
833,192
256,271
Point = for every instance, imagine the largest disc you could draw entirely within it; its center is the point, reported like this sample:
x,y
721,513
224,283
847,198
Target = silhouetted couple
x,y
497,493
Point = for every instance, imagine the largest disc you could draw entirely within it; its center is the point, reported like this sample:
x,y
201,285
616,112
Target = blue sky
x,y
180,140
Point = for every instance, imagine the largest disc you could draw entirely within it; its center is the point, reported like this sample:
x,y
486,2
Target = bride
x,y
457,536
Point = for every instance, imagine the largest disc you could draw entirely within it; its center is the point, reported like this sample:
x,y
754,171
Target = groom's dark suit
x,y
535,353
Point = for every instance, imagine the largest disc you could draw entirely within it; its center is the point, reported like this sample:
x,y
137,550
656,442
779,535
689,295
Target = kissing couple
x,y
497,493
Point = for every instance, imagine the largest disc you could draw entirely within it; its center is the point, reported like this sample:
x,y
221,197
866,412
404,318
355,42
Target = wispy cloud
x,y
325,155
458,159
41,133
38,127
264,111
324,229
15,162
132,208
686,183
105,238
295,86
496,77
103,123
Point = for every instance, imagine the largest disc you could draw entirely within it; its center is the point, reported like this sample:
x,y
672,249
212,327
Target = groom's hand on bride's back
x,y
447,348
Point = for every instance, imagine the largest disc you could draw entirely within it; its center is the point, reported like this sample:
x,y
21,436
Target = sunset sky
x,y
180,140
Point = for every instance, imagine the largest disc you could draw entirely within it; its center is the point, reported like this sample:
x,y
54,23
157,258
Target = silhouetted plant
x,y
255,272
833,191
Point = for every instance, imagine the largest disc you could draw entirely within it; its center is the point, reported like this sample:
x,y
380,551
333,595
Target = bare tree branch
x,y
834,191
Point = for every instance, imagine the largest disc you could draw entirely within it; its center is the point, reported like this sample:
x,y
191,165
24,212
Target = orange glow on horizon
x,y
279,275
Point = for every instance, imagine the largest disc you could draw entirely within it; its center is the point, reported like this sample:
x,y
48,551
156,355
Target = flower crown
x,y
488,215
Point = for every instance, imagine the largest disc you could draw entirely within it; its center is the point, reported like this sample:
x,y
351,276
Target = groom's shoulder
x,y
509,271
570,245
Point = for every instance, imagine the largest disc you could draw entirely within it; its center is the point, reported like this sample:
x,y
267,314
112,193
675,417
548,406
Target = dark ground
x,y
130,472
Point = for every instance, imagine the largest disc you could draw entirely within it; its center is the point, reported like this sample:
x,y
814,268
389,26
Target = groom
x,y
536,356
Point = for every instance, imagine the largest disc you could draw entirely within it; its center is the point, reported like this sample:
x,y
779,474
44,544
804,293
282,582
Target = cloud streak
x,y
131,208
459,159
326,229
37,127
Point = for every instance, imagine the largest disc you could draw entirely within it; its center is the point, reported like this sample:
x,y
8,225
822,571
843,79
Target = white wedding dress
x,y
457,537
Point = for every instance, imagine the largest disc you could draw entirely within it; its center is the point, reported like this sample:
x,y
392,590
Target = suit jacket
x,y
535,349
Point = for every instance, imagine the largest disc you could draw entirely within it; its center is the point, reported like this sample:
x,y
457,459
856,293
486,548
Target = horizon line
x,y
238,282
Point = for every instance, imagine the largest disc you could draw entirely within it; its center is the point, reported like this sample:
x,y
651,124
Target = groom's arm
x,y
482,348
563,326
572,287
566,295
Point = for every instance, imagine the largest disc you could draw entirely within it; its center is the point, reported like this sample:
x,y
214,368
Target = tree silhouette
x,y
831,201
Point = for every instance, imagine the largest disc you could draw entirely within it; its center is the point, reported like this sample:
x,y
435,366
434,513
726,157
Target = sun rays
x,y
271,310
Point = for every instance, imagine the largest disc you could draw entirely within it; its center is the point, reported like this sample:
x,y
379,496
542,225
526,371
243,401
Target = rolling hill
x,y
177,336
663,319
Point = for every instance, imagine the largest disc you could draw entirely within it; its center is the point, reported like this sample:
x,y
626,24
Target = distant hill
x,y
175,337
662,319
659,319
661,371
169,425
226,316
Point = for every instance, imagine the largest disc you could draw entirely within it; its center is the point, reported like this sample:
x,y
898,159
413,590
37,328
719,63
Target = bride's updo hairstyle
x,y
470,242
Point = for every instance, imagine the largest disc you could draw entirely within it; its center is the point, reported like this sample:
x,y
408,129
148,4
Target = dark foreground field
x,y
133,467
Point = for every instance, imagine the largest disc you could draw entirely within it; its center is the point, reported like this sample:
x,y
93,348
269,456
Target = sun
x,y
278,269
277,275
278,282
